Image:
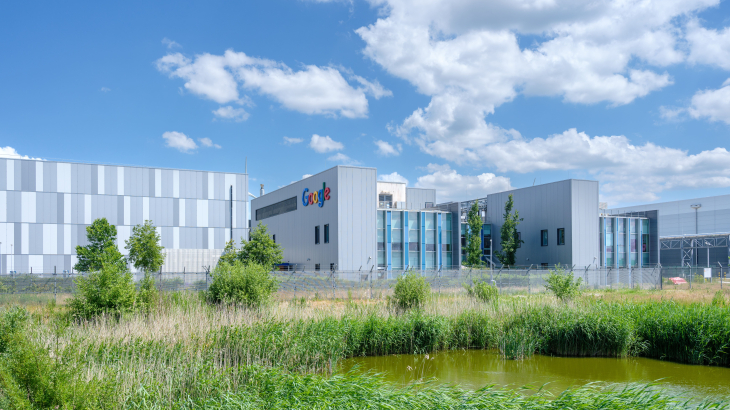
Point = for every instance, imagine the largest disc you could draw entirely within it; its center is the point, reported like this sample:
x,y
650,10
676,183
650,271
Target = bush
x,y
147,296
411,290
248,284
719,299
482,291
562,284
108,290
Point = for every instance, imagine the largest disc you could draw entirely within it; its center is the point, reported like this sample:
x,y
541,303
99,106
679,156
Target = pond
x,y
473,369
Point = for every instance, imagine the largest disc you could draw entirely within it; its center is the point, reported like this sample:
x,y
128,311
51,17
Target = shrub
x,y
482,291
108,290
11,322
562,284
411,290
248,284
147,296
719,299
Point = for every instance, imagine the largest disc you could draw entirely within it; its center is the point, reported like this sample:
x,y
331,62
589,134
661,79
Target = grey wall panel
x,y
35,244
60,239
94,184
151,184
120,209
3,174
203,187
17,240
175,212
219,186
191,212
16,175
50,177
204,235
166,238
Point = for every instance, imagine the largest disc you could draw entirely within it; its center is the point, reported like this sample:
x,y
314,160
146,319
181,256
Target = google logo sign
x,y
316,197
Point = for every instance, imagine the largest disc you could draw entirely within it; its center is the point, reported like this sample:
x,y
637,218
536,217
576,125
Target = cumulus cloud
x,y
10,152
179,141
310,90
105,89
169,43
343,159
387,150
207,142
708,46
452,186
712,104
392,177
324,144
231,113
292,141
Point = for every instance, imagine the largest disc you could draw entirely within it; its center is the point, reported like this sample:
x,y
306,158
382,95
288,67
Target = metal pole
x,y
371,282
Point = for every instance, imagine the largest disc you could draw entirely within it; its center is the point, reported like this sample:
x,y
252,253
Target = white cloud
x,y
292,141
306,176
325,144
386,149
471,56
343,159
452,186
105,89
169,43
207,142
230,113
709,46
712,104
392,177
669,113
10,152
179,141
311,90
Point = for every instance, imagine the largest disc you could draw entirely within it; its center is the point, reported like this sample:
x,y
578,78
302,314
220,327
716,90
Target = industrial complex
x,y
342,218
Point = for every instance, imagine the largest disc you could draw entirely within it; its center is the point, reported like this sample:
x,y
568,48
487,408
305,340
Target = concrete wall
x,y
397,189
45,207
416,198
570,204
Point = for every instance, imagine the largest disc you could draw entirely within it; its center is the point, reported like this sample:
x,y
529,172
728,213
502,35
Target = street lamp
x,y
696,207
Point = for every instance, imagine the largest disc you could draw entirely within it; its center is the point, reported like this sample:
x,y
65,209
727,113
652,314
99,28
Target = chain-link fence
x,y
380,283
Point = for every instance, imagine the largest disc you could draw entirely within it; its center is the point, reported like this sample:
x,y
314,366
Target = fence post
x,y
690,278
371,282
528,279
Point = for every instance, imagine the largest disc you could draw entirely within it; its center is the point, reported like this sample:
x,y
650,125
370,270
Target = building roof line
x,y
79,162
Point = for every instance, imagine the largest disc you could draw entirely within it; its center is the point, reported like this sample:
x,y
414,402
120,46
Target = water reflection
x,y
474,369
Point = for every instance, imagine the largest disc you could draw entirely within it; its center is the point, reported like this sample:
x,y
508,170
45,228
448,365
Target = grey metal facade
x,y
417,198
571,205
45,207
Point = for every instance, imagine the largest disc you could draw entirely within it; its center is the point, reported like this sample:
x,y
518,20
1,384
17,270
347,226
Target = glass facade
x,y
414,239
624,241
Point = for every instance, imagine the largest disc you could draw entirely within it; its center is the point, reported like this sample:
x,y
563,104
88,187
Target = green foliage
x,y
145,251
102,247
147,295
411,290
508,234
517,343
230,253
719,299
108,290
11,322
482,291
474,237
261,249
562,284
249,284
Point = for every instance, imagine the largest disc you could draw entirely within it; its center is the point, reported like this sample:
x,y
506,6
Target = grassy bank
x,y
191,354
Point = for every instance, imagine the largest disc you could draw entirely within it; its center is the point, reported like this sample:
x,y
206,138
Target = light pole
x,y
696,207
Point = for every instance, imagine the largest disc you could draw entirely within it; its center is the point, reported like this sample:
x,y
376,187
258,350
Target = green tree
x,y
102,247
508,234
562,284
474,237
261,249
411,290
249,284
145,251
230,253
110,289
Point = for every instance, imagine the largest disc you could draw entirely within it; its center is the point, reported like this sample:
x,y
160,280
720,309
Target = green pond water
x,y
473,369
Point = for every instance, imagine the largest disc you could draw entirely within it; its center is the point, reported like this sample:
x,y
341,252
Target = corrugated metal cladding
x,y
416,198
349,214
569,204
46,206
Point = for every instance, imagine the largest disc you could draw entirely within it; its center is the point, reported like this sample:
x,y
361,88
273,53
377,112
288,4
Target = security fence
x,y
340,284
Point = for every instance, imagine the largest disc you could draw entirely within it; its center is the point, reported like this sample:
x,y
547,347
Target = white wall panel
x,y
27,207
3,206
120,180
50,239
181,210
7,237
211,238
231,180
145,209
176,184
127,210
63,177
211,185
158,182
68,248
87,209
202,213
176,238
101,180
123,234
35,263
234,217
10,175
39,176
24,238
67,208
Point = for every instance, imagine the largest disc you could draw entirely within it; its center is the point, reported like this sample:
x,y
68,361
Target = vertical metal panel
x,y
220,186
3,207
230,180
204,238
202,185
39,176
50,177
87,209
191,212
63,180
210,185
181,214
176,184
50,239
16,174
3,174
28,204
202,214
127,210
166,183
100,179
94,179
176,238
10,175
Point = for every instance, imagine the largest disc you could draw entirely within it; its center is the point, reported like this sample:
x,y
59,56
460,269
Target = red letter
x,y
327,193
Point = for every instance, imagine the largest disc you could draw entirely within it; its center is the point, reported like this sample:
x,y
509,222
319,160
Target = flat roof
x,y
120,165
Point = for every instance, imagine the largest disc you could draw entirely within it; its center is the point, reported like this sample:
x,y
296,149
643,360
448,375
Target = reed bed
x,y
188,354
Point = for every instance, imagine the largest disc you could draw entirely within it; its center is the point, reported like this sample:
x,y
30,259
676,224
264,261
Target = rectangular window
x,y
544,237
316,266
561,236
332,266
274,236
316,235
519,239
278,208
327,233
544,265
385,201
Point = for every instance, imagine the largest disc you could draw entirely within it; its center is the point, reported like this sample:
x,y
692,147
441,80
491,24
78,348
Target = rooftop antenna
x,y
533,181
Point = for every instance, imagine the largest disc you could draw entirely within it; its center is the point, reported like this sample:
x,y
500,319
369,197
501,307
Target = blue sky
x,y
464,96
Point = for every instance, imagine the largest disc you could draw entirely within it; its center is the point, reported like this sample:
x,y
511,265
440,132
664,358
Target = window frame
x,y
316,235
519,239
544,237
326,233
273,237
559,241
